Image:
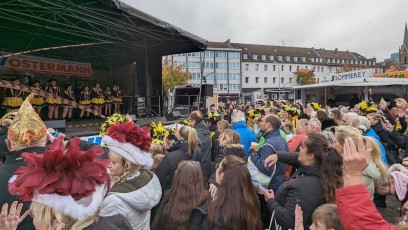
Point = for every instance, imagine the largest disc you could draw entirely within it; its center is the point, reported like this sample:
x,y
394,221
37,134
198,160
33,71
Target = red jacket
x,y
357,211
293,144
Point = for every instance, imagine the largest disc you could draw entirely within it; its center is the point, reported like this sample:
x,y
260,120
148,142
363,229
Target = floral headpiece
x,y
316,106
185,122
367,107
213,117
130,141
68,180
158,132
113,119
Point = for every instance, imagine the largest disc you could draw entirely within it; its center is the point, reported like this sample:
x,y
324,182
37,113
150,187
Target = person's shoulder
x,y
115,222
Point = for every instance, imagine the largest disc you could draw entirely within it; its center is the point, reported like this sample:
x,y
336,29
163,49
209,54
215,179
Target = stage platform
x,y
91,127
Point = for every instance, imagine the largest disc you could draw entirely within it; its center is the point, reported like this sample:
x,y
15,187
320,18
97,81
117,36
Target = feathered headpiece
x,y
68,180
130,141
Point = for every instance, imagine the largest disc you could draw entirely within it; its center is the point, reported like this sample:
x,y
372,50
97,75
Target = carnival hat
x,y
26,127
130,141
68,180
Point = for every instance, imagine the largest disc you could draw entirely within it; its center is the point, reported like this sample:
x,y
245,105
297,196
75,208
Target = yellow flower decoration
x,y
113,119
158,132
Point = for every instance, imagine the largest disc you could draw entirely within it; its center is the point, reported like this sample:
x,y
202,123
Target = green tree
x,y
173,76
305,76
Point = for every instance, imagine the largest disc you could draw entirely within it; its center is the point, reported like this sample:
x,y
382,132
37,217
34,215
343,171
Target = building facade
x,y
220,65
250,71
403,51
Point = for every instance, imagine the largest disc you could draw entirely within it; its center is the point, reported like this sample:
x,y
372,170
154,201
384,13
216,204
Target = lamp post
x,y
279,80
283,86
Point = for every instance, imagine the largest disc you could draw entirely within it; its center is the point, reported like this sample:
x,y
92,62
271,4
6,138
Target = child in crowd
x,y
325,217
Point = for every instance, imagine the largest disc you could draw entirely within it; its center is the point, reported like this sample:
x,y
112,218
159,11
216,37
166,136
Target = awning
x,y
369,81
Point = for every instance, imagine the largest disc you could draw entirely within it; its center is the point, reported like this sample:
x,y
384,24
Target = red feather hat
x,y
130,141
68,180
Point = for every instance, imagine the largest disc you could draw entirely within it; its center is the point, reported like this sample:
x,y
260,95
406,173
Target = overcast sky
x,y
369,27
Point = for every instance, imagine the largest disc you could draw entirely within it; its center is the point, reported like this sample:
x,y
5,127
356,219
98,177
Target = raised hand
x,y
355,159
298,218
10,220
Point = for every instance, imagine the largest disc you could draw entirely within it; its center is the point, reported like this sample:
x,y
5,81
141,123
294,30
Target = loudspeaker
x,y
207,90
173,116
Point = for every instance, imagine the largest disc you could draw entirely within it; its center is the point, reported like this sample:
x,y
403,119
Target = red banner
x,y
46,65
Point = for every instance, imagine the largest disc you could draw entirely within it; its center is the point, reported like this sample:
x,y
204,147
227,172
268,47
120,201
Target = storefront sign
x,y
46,65
397,74
352,76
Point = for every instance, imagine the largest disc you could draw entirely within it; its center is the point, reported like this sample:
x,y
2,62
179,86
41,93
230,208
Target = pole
x,y
228,76
279,80
202,62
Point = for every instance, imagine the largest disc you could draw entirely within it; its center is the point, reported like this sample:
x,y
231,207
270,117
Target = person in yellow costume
x,y
12,98
53,104
38,101
98,99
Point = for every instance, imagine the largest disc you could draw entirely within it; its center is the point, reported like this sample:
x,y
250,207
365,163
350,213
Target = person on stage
x,y
53,104
97,98
108,101
13,98
85,100
68,94
38,101
117,98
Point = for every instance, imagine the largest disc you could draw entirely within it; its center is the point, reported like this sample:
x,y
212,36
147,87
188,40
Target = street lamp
x,y
279,78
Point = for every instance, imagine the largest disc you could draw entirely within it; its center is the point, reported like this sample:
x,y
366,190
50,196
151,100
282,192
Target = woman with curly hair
x,y
136,189
319,173
178,203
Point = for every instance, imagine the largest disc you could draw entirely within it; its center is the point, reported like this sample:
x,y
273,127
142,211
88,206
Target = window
x,y
287,58
234,76
274,67
233,54
280,58
282,67
290,80
246,79
271,57
322,69
220,54
234,65
295,58
265,80
246,66
265,67
255,56
274,80
209,54
222,87
245,56
257,80
263,57
282,80
290,68
256,67
209,65
220,65
318,69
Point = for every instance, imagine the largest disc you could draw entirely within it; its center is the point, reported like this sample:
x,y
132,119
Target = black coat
x,y
203,134
304,188
237,150
167,168
384,137
7,169
116,222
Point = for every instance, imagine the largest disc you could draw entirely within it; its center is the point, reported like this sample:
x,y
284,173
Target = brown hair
x,y
321,115
274,120
223,125
328,214
190,135
231,137
186,193
330,162
237,204
197,116
375,116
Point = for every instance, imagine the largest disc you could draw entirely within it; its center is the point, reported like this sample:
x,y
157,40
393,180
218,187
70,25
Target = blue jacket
x,y
258,158
247,136
374,135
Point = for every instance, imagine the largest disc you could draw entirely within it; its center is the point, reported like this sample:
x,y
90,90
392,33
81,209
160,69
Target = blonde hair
x,y
343,132
223,125
130,168
157,159
328,214
376,156
156,149
46,215
232,137
190,135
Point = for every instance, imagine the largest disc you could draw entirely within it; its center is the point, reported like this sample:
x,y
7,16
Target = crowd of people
x,y
104,101
274,165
